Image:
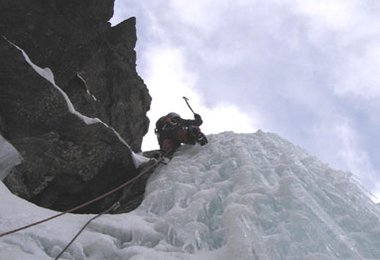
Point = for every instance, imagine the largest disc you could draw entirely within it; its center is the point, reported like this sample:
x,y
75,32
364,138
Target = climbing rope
x,y
113,207
161,158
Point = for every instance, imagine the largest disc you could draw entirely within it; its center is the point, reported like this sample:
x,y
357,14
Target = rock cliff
x,y
65,160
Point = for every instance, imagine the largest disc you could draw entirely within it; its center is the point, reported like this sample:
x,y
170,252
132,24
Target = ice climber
x,y
172,131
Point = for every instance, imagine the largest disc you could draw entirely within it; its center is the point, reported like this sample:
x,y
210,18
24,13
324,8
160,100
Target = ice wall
x,y
243,196
257,196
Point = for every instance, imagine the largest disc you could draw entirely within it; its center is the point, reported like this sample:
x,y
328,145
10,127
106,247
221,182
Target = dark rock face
x,y
65,161
57,33
92,61
110,76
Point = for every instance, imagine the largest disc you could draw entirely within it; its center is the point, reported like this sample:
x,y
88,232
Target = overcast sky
x,y
304,69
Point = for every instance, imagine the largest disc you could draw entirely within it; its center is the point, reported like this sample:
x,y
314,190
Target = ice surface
x,y
242,196
9,157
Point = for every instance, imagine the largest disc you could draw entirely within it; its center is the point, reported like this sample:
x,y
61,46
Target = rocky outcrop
x,y
108,87
93,62
66,161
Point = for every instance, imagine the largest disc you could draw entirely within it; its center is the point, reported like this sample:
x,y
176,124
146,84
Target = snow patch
x,y
9,157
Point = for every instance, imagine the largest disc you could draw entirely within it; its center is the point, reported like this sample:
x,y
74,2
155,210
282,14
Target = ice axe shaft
x,y
187,102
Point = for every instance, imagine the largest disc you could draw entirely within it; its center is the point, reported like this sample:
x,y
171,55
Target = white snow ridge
x,y
242,196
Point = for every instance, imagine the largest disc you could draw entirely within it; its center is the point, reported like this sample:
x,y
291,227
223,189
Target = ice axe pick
x,y
187,102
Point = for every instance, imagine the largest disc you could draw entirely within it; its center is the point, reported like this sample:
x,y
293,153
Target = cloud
x,y
359,74
376,195
349,31
169,80
204,15
300,68
229,117
355,156
332,15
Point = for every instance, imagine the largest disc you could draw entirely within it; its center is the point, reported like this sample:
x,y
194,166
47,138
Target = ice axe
x,y
187,102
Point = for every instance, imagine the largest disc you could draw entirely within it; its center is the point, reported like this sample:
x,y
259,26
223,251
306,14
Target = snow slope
x,y
243,196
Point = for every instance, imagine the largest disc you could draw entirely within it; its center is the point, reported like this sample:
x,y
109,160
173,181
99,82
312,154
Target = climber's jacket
x,y
172,130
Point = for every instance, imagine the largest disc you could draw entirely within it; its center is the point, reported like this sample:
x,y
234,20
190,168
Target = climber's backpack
x,y
170,120
162,123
